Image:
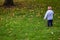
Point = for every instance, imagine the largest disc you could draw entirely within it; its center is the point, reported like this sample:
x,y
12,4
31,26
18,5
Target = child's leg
x,y
50,23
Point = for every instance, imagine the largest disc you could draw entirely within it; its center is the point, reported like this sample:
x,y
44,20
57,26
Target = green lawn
x,y
26,22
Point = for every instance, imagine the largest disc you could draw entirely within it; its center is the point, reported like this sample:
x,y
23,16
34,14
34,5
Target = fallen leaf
x,y
52,32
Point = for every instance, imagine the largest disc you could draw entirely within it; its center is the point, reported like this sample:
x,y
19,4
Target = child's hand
x,y
44,18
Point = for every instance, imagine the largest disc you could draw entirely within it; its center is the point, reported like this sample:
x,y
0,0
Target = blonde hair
x,y
49,7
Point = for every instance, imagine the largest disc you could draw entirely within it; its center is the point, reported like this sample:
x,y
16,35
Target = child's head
x,y
49,8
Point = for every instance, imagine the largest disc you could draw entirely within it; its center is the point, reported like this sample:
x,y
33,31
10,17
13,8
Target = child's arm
x,y
46,15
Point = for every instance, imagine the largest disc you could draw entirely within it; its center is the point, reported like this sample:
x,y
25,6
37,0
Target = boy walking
x,y
49,16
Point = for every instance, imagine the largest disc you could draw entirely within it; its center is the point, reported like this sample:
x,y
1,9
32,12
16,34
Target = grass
x,y
27,23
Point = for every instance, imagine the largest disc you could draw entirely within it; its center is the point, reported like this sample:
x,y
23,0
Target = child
x,y
49,16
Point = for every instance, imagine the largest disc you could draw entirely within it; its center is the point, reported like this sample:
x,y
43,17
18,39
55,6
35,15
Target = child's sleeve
x,y
46,15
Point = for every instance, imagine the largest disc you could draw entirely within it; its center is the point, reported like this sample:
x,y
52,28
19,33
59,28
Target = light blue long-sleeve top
x,y
49,15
